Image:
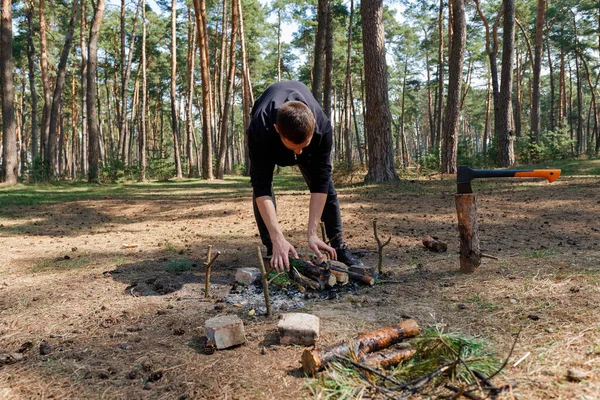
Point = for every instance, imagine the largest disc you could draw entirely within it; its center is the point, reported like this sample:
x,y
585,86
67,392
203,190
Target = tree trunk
x,y
400,138
505,129
440,99
84,159
347,88
327,89
189,103
51,161
143,135
200,11
552,123
579,141
45,80
430,117
455,64
318,71
247,95
378,119
229,89
10,163
93,128
486,129
174,122
32,90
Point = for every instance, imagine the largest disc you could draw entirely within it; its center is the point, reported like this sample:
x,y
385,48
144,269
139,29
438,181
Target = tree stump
x,y
468,229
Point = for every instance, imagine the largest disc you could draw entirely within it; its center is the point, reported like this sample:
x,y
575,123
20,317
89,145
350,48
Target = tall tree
x,y
45,79
57,100
228,91
455,61
32,87
10,163
143,134
174,122
537,70
505,128
92,115
318,71
378,120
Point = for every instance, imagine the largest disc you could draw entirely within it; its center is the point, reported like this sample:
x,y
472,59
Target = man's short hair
x,y
295,121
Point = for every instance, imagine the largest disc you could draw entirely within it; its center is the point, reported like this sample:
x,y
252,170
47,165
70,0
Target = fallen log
x,y
315,360
387,359
433,244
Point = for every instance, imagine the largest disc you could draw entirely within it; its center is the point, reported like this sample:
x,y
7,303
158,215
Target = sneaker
x,y
345,256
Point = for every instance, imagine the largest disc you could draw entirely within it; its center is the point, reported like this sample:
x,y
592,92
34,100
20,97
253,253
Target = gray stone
x,y
225,331
247,276
298,328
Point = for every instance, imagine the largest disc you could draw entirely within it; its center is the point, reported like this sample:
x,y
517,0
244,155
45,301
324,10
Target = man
x,y
289,127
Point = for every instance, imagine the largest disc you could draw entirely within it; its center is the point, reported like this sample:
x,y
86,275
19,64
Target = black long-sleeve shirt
x,y
267,149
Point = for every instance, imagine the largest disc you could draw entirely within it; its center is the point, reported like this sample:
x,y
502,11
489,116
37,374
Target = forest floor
x,y
109,280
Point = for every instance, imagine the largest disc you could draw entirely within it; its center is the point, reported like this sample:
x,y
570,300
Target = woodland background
x,y
135,90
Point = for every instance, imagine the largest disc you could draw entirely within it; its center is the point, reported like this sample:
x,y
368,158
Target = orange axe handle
x,y
550,174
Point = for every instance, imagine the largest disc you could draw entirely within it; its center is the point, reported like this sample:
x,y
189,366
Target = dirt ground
x,y
109,287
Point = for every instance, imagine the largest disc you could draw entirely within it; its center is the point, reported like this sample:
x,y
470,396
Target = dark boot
x,y
345,256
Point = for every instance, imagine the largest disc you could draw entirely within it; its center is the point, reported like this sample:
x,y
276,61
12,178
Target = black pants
x,y
331,216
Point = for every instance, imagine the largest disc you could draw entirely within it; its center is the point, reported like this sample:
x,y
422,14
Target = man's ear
x,y
276,128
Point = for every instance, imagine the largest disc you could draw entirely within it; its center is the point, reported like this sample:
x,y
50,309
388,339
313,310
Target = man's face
x,y
296,148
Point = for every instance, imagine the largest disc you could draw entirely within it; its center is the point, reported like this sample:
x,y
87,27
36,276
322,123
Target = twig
x,y
322,224
461,392
380,247
457,354
265,284
509,355
371,370
522,359
418,383
273,278
209,263
483,255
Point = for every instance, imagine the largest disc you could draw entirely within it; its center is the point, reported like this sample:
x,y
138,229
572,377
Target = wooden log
x,y
468,229
342,278
315,360
312,271
390,358
303,280
433,244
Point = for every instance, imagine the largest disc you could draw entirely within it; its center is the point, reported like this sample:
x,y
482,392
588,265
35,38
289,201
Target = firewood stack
x,y
322,275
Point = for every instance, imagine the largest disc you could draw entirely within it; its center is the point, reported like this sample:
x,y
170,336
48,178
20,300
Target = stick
x,y
461,392
483,255
369,369
322,224
522,359
209,264
508,357
265,284
380,247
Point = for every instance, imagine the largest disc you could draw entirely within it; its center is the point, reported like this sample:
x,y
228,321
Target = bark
x,y
455,64
32,89
247,95
92,63
400,155
579,141
143,135
10,163
430,117
537,70
189,109
505,128
229,89
378,118
174,119
347,88
316,360
51,145
468,229
318,71
552,111
486,129
125,75
440,99
327,89
389,358
84,159
45,80
200,12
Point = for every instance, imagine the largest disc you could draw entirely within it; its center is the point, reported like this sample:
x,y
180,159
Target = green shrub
x,y
161,169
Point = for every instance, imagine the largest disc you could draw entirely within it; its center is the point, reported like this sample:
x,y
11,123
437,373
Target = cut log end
x,y
311,362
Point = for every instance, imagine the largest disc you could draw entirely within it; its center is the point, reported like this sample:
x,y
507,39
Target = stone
x,y
576,375
247,276
298,328
225,331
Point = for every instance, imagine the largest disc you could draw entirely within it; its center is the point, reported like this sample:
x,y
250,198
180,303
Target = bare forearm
x,y
269,216
317,203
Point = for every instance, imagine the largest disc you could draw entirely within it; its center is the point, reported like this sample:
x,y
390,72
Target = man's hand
x,y
281,250
316,245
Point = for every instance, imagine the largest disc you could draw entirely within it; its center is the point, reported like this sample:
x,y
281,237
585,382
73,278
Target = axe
x,y
465,175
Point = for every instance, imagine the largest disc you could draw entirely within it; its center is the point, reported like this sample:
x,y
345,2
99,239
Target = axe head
x,y
464,176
